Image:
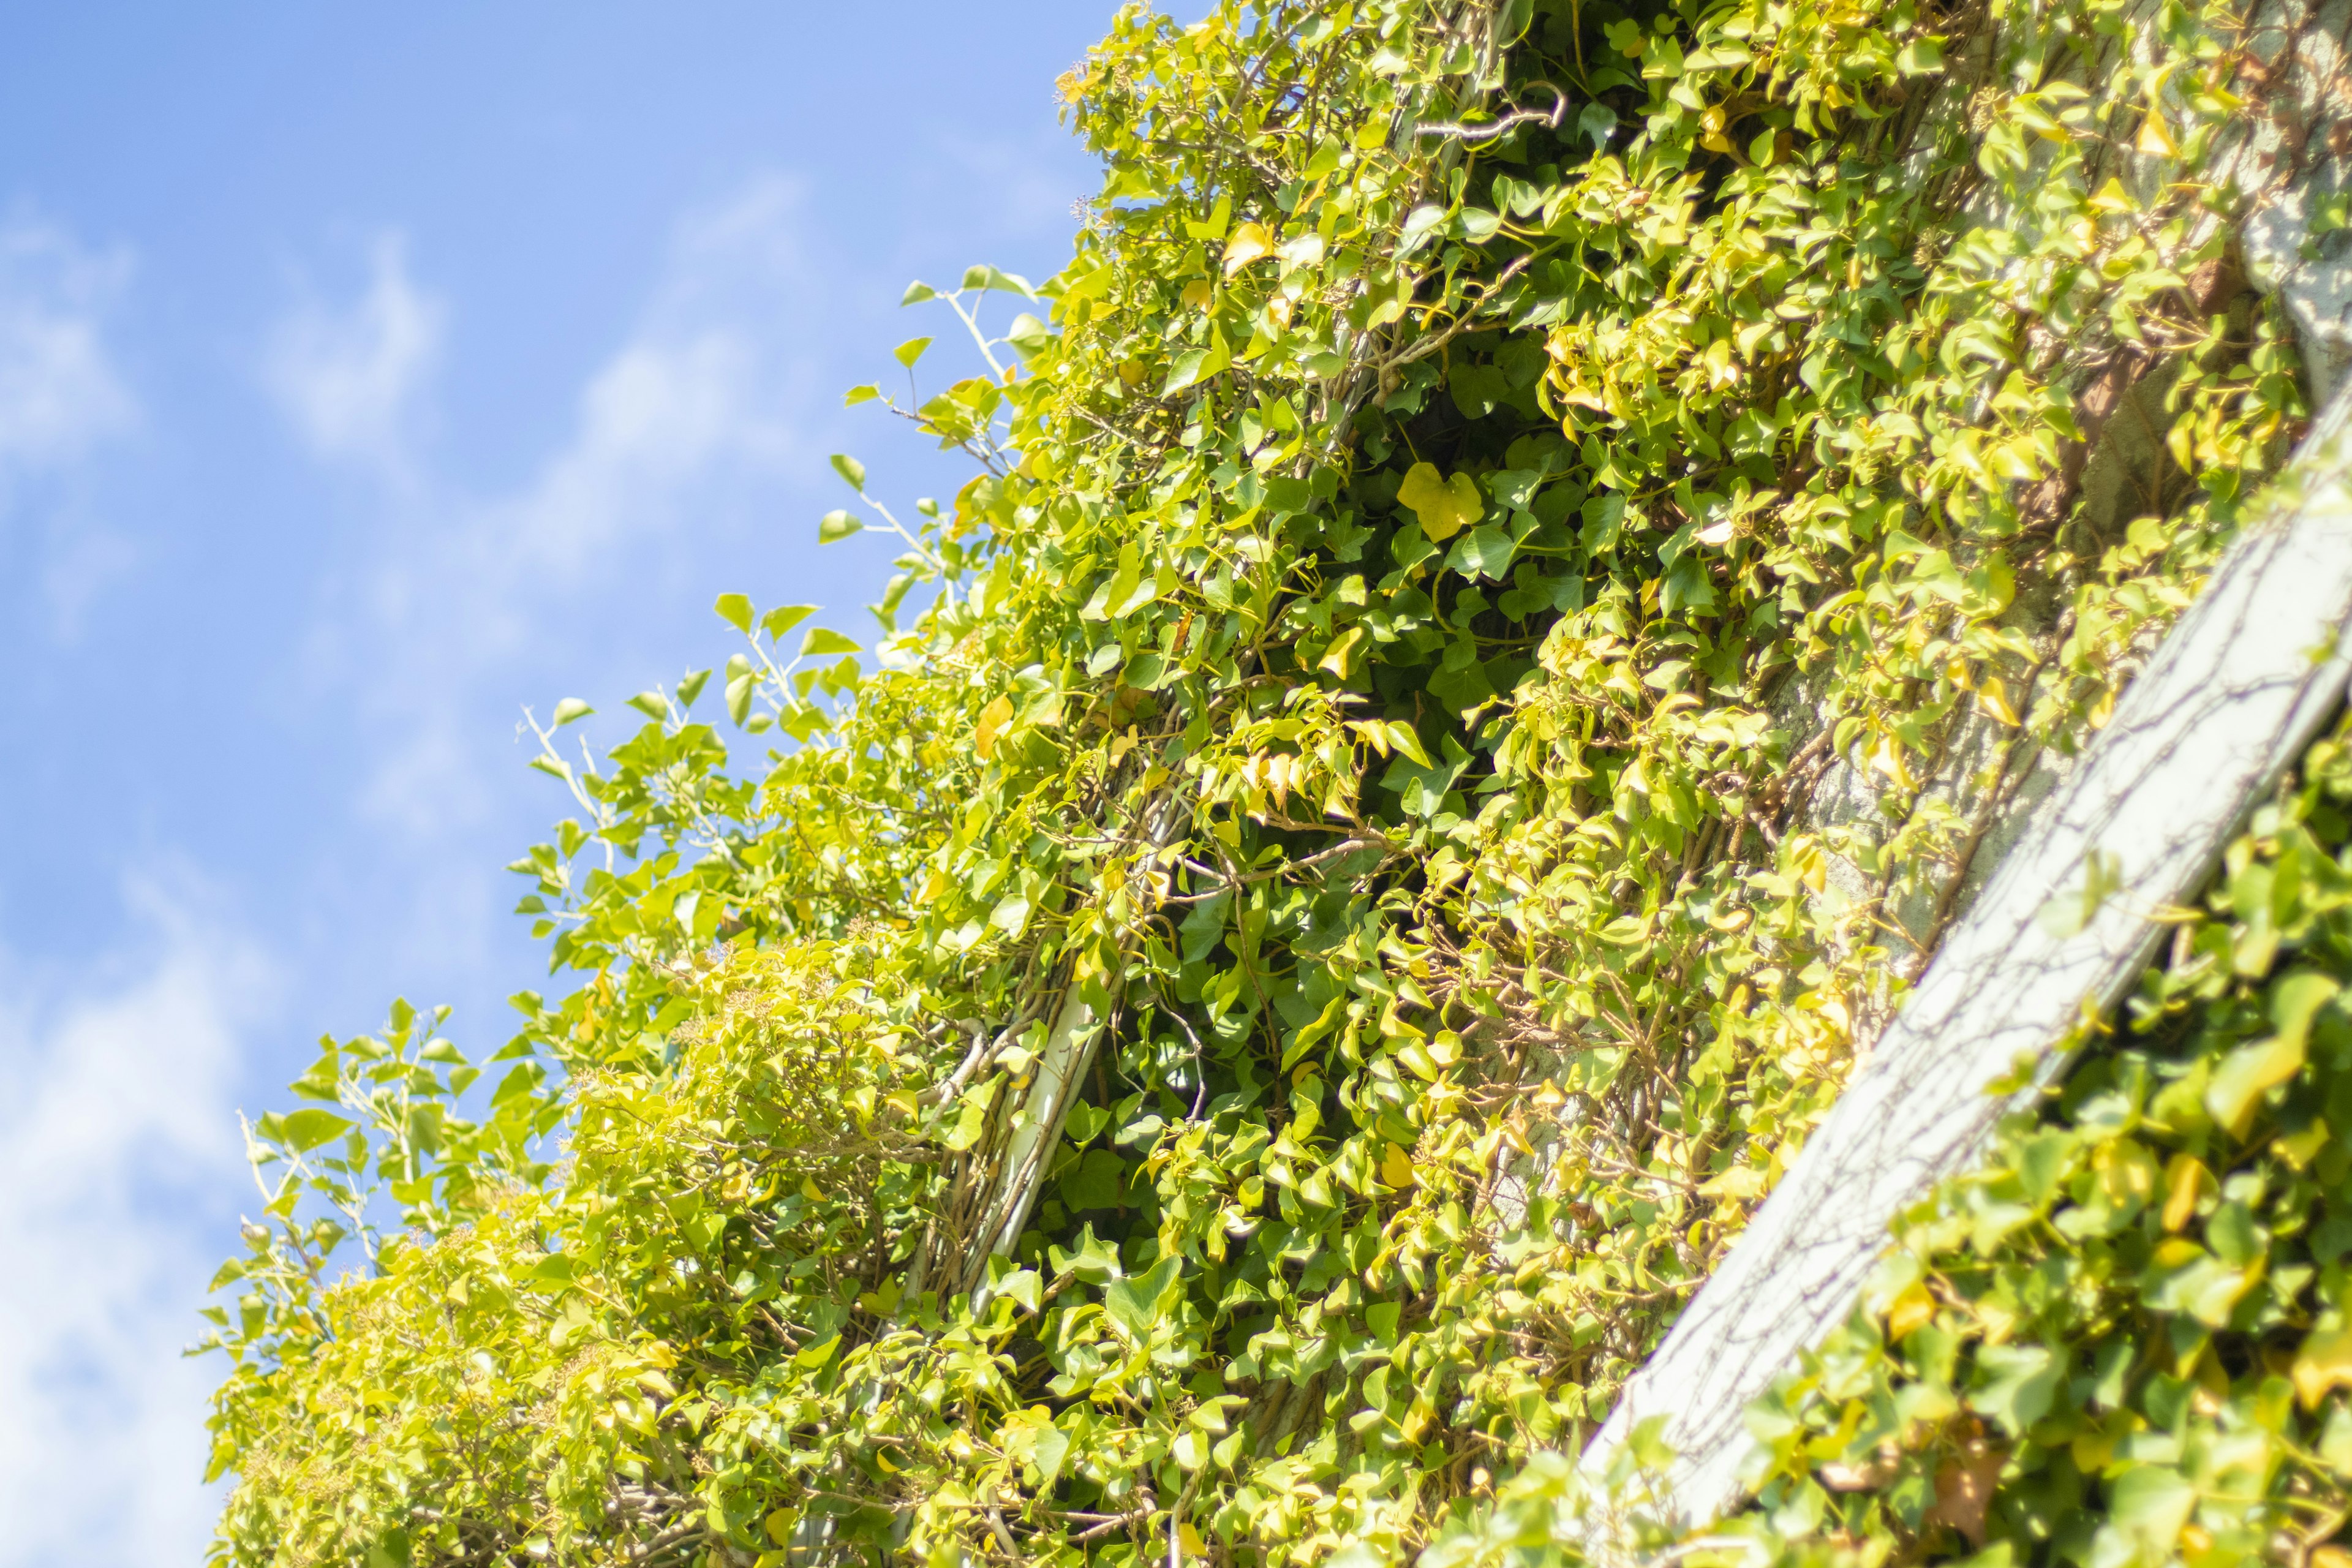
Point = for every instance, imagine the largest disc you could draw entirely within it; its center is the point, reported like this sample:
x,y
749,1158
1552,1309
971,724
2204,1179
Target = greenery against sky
x,y
1344,789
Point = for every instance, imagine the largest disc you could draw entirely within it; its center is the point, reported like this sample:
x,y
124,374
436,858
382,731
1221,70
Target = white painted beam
x,y
2231,696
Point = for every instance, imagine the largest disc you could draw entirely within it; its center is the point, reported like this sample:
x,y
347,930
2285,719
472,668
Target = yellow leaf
x,y
1396,1167
1445,507
1911,1309
2154,139
993,720
1739,1182
1340,657
2183,1180
1196,293
1186,1536
1993,698
2324,1362
1249,242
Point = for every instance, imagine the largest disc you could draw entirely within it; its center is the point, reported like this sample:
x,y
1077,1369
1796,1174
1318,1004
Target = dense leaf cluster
x,y
1532,546
2125,1340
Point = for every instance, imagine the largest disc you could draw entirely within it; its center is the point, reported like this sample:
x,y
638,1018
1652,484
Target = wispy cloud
x,y
690,420
60,393
703,390
62,396
350,377
115,1108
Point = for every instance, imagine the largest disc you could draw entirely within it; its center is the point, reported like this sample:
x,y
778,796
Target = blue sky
x,y
366,373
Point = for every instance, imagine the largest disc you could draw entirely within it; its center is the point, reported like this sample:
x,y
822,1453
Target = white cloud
x,y
349,378
690,420
119,1156
60,391
704,384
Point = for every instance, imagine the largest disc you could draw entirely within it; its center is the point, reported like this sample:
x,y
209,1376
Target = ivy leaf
x,y
1443,507
775,623
568,710
2024,1381
1484,551
2148,1505
993,720
837,525
2245,1073
2323,1364
1138,1304
303,1131
1250,241
821,643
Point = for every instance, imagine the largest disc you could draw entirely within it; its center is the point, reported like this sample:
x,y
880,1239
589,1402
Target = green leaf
x,y
1136,1305
303,1131
735,610
689,687
2022,1381
907,353
783,618
2246,1073
821,643
917,292
1484,551
990,277
568,710
852,471
2149,1505
1028,335
837,525
1053,1446
1097,1181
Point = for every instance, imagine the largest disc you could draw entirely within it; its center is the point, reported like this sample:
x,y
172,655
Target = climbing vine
x,y
1507,589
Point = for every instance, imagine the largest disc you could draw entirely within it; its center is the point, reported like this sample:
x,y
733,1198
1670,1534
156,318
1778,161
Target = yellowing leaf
x,y
1913,1308
2324,1362
1340,657
2184,1178
1396,1167
1739,1182
1249,242
1196,293
2247,1072
1445,507
993,720
1993,698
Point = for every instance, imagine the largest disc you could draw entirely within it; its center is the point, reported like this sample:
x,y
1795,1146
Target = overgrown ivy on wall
x,y
1506,587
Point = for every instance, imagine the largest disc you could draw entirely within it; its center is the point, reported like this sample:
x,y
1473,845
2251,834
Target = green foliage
x,y
2123,1341
1490,481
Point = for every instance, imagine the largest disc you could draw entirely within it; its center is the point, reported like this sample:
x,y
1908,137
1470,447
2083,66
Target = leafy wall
x,y
1507,589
